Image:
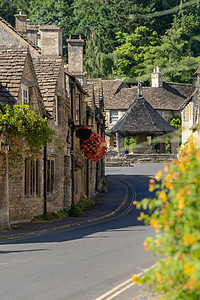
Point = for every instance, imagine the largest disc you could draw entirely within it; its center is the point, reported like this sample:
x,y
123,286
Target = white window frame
x,y
114,116
25,94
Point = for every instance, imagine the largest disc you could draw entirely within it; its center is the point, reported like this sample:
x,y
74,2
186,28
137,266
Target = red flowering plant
x,y
94,147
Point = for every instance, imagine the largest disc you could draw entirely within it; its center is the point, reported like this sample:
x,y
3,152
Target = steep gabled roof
x,y
139,119
169,97
12,61
20,35
48,71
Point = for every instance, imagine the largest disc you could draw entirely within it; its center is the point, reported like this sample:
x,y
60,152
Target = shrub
x,y
86,202
105,185
75,211
174,214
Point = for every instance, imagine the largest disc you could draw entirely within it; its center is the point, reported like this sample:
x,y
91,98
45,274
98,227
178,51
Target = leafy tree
x,y
7,10
134,49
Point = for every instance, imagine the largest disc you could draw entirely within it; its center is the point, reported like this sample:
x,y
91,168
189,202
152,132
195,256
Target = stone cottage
x,y
21,195
63,92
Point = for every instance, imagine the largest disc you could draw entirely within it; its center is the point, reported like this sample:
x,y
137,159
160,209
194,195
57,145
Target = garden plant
x,y
175,215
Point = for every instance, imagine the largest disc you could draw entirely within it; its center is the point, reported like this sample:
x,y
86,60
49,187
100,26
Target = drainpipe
x,y
72,85
45,179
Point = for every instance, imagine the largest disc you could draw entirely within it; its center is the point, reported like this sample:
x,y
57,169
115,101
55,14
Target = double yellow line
x,y
119,289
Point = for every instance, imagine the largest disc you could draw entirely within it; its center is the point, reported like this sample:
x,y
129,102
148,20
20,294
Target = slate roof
x,y
169,97
48,71
20,34
141,118
12,63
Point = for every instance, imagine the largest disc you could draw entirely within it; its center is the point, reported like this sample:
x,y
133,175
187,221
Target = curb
x,y
9,237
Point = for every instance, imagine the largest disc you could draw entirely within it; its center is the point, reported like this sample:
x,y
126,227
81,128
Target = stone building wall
x,y
4,196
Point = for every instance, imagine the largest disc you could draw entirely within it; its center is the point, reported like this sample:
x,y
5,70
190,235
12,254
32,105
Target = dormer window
x,y
25,94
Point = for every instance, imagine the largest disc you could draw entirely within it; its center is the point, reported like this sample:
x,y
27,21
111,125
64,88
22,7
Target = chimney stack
x,y
75,57
20,22
51,40
156,78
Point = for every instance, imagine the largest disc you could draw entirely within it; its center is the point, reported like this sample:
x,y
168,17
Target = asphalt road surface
x,y
94,261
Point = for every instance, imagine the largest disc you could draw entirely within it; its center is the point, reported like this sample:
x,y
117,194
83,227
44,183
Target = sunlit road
x,y
83,263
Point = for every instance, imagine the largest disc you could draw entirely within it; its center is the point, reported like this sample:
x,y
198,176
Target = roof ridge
x,y
20,34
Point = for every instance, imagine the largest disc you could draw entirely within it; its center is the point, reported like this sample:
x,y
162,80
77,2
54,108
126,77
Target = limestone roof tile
x,y
47,71
169,97
11,72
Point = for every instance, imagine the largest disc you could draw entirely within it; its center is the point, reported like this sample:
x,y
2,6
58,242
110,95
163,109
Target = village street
x,y
86,262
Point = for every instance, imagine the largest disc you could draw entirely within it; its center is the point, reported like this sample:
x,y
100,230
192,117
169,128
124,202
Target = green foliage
x,y
50,216
174,214
86,202
18,122
175,121
129,142
149,33
75,211
105,185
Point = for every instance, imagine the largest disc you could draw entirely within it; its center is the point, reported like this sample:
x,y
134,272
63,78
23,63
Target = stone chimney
x,y
51,40
156,78
20,22
75,57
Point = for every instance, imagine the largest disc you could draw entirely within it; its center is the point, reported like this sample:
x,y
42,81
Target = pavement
x,y
106,205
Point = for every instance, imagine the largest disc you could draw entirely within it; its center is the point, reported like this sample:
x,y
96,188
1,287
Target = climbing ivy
x,y
20,122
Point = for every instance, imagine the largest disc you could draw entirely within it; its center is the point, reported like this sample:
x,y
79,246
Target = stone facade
x,y
57,94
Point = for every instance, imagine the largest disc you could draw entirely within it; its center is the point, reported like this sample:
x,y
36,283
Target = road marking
x,y
119,289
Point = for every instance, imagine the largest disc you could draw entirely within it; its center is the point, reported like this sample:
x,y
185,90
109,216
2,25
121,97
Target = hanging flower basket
x,y
93,148
83,132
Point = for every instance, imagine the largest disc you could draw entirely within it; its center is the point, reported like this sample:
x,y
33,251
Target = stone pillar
x,y
175,144
162,147
4,192
117,141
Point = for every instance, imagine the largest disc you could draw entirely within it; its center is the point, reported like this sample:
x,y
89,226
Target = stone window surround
x,y
32,170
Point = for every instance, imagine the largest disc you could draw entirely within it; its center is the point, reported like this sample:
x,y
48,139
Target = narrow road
x,y
94,261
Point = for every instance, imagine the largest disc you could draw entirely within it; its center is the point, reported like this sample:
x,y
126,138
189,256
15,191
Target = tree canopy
x,y
124,38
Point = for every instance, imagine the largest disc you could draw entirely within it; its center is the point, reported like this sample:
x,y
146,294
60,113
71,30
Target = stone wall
x,y
128,160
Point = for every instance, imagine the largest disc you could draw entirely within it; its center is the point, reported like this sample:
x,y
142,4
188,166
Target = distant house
x,y
190,113
164,97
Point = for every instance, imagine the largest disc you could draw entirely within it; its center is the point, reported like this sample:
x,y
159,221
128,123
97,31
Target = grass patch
x,y
50,216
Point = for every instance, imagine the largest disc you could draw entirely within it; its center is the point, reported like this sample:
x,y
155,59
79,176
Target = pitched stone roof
x,y
48,71
110,88
21,35
12,63
141,118
169,97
